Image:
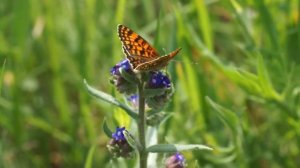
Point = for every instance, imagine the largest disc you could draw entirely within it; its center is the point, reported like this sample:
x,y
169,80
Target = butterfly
x,y
141,55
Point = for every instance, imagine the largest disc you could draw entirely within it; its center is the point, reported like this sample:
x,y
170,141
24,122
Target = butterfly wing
x,y
133,59
136,49
158,63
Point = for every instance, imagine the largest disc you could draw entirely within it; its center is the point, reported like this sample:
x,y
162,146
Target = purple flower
x,y
123,85
159,80
179,157
175,161
123,64
134,99
118,135
118,145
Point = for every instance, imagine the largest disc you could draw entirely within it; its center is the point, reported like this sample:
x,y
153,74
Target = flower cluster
x,y
159,85
118,145
157,91
158,80
119,73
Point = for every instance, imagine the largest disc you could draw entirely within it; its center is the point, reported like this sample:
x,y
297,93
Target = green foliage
x,y
236,80
110,99
162,148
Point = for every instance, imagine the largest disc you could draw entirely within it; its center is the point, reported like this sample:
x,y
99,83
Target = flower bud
x,y
175,161
156,118
118,145
158,80
134,101
122,83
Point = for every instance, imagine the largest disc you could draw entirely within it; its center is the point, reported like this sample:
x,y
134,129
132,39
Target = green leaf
x,y
89,159
128,77
1,74
106,129
229,158
268,24
110,99
162,148
157,118
227,116
240,14
204,22
130,139
156,39
49,128
264,78
246,80
155,92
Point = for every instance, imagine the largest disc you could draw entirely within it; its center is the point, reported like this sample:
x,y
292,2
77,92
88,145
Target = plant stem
x,y
142,125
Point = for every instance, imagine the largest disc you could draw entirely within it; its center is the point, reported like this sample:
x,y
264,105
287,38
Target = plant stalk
x,y
142,125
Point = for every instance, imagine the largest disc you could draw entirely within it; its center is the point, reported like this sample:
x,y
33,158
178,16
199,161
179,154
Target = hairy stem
x,y
142,126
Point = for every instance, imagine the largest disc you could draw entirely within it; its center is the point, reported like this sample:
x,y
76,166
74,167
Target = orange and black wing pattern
x,y
136,49
141,55
158,63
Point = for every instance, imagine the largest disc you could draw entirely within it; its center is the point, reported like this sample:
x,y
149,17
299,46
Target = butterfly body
x,y
141,55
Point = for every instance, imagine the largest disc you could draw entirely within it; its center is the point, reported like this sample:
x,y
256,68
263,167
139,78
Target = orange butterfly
x,y
141,55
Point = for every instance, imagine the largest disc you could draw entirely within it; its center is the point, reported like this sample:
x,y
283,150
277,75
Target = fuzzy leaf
x,y
157,118
155,92
106,130
110,99
130,139
162,148
128,77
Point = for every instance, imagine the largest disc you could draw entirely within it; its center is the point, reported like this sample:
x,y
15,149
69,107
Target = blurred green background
x,y
237,79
